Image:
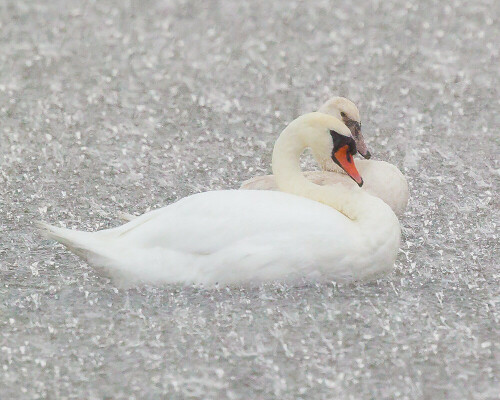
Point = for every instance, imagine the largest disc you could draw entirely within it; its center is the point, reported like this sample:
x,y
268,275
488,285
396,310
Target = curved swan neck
x,y
286,168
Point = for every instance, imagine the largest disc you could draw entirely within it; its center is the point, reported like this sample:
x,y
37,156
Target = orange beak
x,y
343,158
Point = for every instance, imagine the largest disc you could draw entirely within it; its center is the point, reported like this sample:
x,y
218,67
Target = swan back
x,y
235,236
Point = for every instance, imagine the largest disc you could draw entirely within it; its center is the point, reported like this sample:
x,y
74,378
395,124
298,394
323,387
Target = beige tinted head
x,y
327,137
346,111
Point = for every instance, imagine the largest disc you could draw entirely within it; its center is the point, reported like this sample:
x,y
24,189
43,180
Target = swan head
x,y
329,138
346,111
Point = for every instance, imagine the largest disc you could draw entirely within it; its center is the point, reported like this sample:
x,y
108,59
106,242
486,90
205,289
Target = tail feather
x,y
126,216
153,264
80,243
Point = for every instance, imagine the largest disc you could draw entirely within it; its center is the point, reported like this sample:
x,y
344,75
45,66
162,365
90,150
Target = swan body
x,y
381,179
234,236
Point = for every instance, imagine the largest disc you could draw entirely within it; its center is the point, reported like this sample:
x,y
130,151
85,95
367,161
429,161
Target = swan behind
x,y
381,179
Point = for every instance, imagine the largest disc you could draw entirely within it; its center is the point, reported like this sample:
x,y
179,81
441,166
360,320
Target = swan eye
x,y
342,113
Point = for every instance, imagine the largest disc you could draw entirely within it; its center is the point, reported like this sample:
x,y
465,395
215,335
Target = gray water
x,y
125,106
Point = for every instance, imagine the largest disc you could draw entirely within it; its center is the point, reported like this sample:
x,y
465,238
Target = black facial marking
x,y
354,126
341,140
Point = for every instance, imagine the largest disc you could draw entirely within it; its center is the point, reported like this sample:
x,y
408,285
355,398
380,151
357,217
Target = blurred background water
x,y
124,106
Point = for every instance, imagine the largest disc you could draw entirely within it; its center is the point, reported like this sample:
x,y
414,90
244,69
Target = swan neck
x,y
289,177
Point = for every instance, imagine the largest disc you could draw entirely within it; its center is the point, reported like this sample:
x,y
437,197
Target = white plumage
x,y
381,179
234,236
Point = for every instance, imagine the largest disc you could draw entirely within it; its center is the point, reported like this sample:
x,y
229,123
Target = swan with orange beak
x,y
344,148
381,179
